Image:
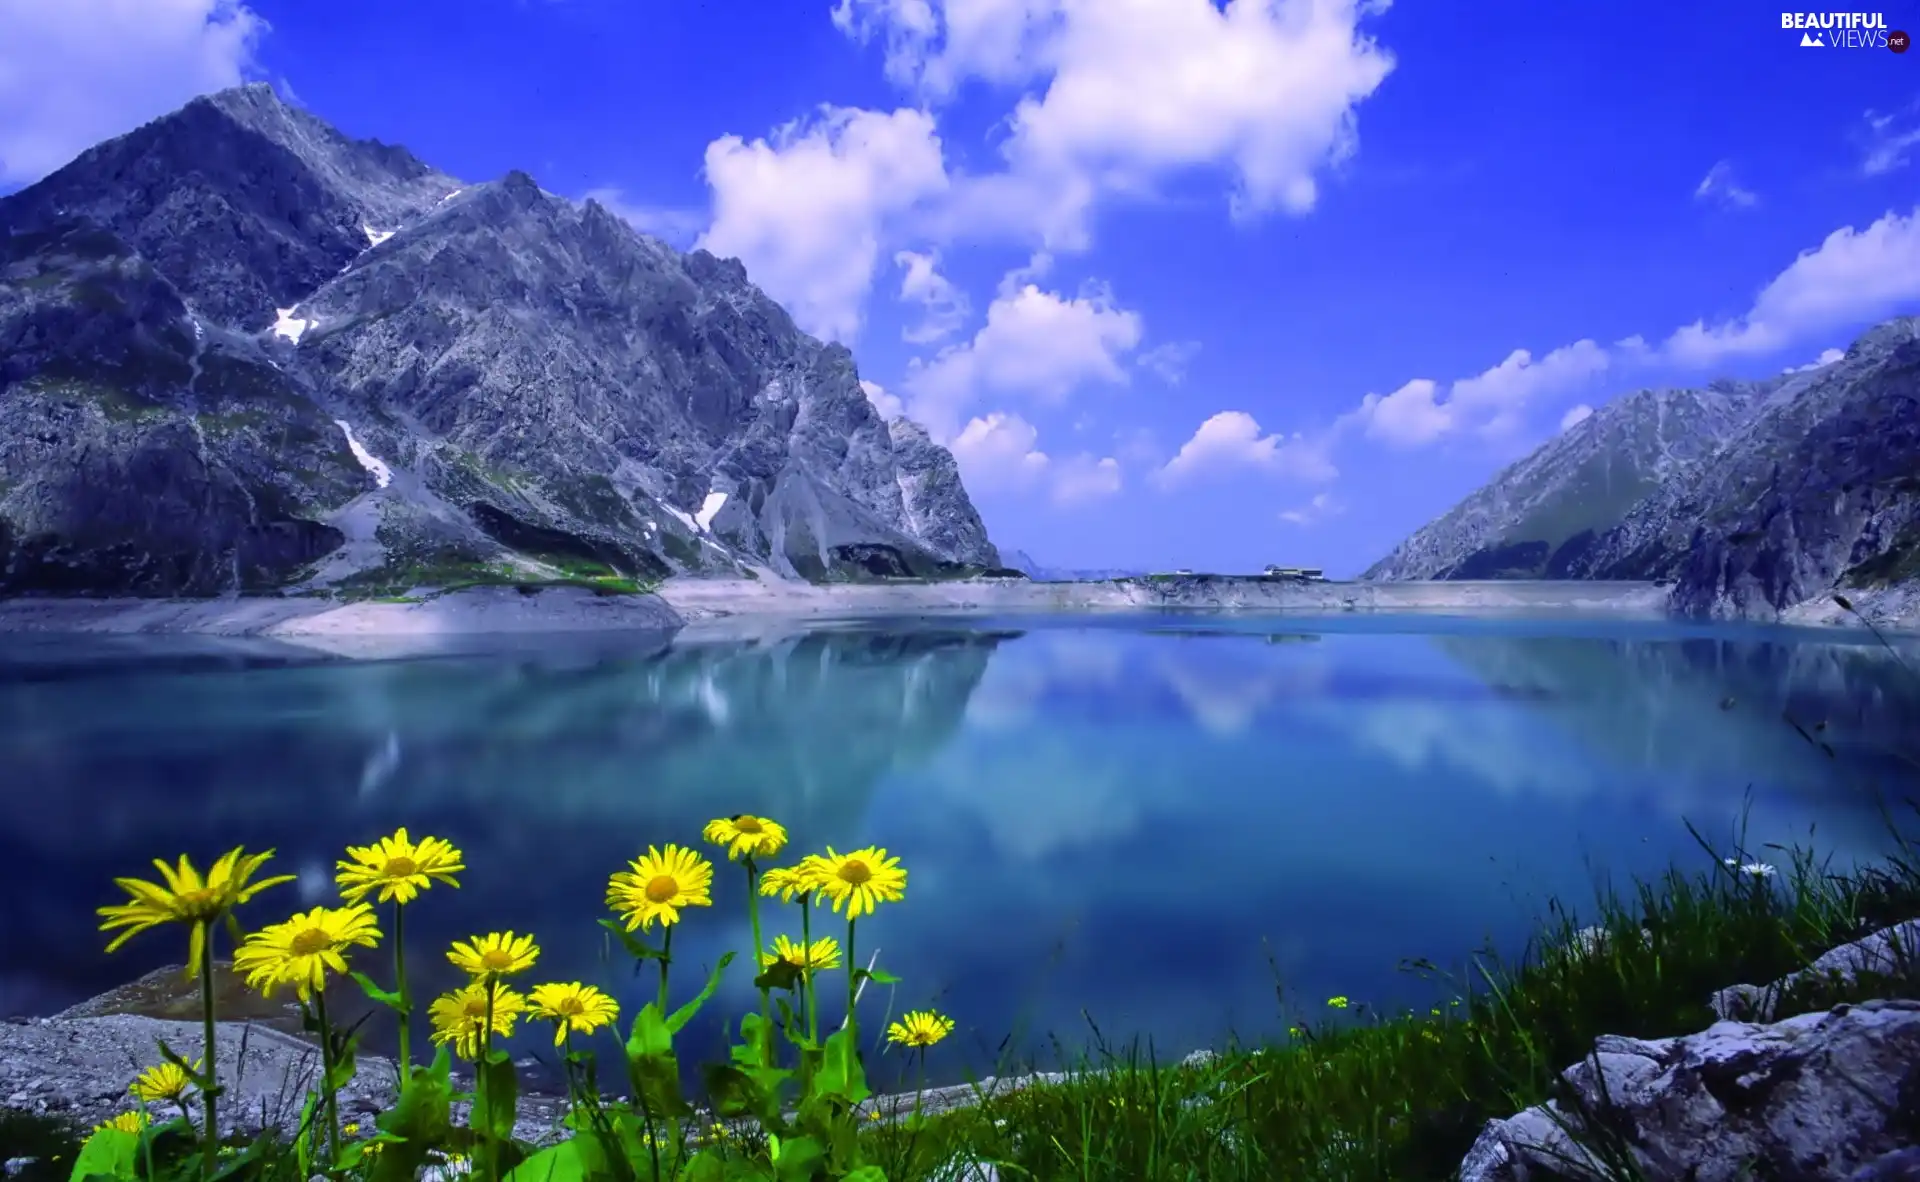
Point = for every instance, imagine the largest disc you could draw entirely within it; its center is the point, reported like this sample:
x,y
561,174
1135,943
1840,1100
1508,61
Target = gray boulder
x,y
1817,1096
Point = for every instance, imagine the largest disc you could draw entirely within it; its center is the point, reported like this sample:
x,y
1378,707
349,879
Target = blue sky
x,y
1182,283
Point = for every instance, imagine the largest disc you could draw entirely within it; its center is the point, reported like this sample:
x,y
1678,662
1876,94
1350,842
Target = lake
x,y
1142,823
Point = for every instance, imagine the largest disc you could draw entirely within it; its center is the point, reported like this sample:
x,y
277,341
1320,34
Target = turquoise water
x,y
1142,823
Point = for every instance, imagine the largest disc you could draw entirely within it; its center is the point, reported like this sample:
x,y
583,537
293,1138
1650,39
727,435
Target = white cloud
x,y
1827,357
1139,90
1491,403
1321,507
1575,416
945,306
888,406
1231,440
1000,452
806,208
1722,188
1854,275
1888,140
1038,344
74,72
1169,361
1081,478
678,227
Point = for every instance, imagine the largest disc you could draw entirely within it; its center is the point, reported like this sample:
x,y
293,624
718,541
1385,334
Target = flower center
x,y
855,872
401,866
311,942
750,825
198,903
496,960
477,1009
662,888
571,1006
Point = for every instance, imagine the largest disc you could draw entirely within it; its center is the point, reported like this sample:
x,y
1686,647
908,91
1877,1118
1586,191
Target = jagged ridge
x,y
244,352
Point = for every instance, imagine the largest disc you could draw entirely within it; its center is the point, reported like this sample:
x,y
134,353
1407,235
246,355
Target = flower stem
x,y
666,959
759,951
209,1091
400,987
810,999
329,1102
853,985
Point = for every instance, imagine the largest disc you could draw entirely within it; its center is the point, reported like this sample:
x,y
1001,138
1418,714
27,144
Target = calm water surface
x,y
1143,822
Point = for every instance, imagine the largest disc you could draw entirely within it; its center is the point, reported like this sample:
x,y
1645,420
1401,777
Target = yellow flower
x,y
397,867
658,884
920,1028
166,1081
496,954
746,836
787,881
823,953
1338,1003
351,1128
304,949
859,879
572,1008
183,896
126,1122
460,1017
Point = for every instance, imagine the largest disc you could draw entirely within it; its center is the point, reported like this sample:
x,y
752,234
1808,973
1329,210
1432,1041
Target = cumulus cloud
x,y
1575,416
1492,403
679,227
1827,357
807,208
1720,187
1000,452
74,72
1036,344
944,307
1854,275
1321,507
1232,441
1128,92
886,405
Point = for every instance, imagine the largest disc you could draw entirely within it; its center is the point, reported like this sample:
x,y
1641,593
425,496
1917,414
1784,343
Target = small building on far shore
x,y
1309,574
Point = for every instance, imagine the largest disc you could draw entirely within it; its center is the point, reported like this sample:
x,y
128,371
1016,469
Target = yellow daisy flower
x,y
823,953
919,1028
496,954
304,949
460,1017
397,867
572,1008
746,836
183,896
658,884
787,881
125,1122
166,1081
858,880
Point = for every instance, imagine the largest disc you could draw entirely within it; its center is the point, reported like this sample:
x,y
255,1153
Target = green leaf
x,y
374,993
865,1174
421,1120
841,1077
636,948
799,1160
653,1070
877,976
496,1094
577,1159
781,974
685,1013
703,1167
108,1153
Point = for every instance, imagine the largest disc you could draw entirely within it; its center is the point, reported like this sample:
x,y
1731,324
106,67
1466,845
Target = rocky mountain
x,y
242,352
1537,515
1749,498
1025,563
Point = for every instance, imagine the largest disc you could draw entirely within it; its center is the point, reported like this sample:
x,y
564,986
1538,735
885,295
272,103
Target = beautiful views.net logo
x,y
1844,30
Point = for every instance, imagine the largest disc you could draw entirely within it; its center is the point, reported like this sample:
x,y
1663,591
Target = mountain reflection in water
x,y
1126,816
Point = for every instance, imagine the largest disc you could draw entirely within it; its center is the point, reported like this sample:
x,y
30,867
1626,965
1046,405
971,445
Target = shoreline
x,y
276,625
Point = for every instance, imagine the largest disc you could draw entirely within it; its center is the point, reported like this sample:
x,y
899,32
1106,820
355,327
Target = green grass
x,y
395,582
